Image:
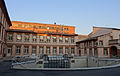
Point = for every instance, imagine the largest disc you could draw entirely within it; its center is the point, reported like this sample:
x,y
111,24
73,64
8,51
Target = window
x,y
72,51
60,39
18,49
19,37
111,37
90,51
90,43
26,26
95,52
34,50
54,50
66,40
79,52
48,27
26,38
34,27
105,51
41,50
60,51
9,50
39,27
54,39
34,38
26,50
10,37
101,43
66,50
48,38
85,51
20,25
48,50
65,29
72,40
41,39
95,43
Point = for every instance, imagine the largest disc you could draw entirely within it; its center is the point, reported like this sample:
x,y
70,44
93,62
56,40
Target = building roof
x,y
39,23
28,31
88,39
107,28
4,9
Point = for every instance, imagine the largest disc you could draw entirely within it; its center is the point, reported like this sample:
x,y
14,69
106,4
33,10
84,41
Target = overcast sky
x,y
83,14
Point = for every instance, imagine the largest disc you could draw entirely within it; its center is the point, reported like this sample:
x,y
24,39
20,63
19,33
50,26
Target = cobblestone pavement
x,y
6,71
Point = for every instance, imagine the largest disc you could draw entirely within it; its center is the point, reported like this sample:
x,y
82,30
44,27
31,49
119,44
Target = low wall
x,y
76,62
98,62
82,62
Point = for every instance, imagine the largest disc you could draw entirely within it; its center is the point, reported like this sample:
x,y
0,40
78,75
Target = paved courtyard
x,y
6,71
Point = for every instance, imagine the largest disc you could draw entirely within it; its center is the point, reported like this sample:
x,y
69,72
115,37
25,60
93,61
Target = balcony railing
x,y
115,41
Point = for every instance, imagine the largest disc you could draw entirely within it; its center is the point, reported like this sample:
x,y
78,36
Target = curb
x,y
68,69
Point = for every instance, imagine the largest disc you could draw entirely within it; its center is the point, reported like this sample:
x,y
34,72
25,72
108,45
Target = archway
x,y
113,51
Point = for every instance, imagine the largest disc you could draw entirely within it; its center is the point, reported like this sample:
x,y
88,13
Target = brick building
x,y
4,25
102,42
35,39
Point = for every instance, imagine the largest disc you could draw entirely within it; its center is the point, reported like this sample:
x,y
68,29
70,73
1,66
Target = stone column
x,y
44,49
14,37
69,50
30,38
13,50
58,50
57,39
51,39
108,52
23,37
51,50
22,50
1,32
44,38
37,51
63,50
63,39
30,50
69,40
38,39
75,50
93,52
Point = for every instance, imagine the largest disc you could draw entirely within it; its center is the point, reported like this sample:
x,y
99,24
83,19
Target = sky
x,y
83,14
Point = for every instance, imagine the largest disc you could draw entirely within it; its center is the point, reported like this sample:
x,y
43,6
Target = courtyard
x,y
6,71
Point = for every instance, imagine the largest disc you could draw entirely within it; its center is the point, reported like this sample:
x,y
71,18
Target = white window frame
x,y
26,50
9,52
18,50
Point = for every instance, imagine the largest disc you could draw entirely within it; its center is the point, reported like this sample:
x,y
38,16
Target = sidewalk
x,y
5,59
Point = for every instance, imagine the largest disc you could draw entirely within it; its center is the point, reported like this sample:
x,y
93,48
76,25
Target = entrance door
x,y
79,52
113,51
